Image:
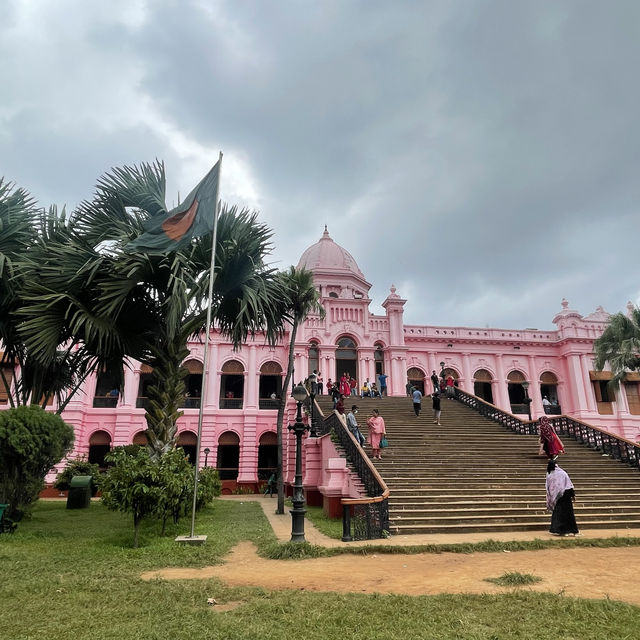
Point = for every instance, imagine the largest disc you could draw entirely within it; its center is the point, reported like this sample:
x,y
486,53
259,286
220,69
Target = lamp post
x,y
298,511
527,399
206,455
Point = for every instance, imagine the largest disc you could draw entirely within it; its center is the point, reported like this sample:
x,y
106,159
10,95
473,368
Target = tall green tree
x,y
619,345
88,289
301,299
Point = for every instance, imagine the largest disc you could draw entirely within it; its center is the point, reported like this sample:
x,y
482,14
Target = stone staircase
x,y
472,475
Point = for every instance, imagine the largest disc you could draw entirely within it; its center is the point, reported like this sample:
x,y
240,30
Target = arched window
x,y
232,385
267,455
107,389
516,392
146,380
482,385
346,358
228,455
99,446
189,443
7,371
192,384
333,294
415,377
270,389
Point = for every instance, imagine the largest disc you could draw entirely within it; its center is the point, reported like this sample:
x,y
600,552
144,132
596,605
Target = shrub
x,y
78,467
176,485
209,487
132,485
32,441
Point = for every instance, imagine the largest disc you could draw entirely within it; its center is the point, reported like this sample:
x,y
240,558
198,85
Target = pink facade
x,y
239,421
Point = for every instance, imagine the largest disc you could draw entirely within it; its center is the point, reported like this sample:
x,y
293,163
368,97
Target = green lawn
x,y
73,574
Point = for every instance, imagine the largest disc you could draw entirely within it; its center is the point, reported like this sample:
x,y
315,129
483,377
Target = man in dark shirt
x,y
436,407
434,380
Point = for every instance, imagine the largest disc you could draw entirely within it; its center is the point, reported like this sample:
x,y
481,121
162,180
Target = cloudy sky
x,y
483,156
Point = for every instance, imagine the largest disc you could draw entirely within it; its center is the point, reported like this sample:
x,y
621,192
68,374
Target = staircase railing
x,y
370,516
598,439
593,437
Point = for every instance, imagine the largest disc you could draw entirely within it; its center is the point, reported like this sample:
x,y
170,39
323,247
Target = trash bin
x,y
79,492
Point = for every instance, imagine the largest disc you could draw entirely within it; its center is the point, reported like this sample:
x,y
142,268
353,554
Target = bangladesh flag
x,y
191,219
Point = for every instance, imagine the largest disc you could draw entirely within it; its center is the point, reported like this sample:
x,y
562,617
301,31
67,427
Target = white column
x,y
251,395
585,363
534,389
501,398
466,372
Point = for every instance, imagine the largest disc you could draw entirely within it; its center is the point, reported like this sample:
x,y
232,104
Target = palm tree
x,y
619,345
20,230
302,298
87,289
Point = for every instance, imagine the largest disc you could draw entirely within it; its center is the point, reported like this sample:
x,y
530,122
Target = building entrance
x,y
347,359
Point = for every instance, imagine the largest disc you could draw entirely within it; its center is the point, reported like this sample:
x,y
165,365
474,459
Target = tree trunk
x,y
136,525
281,408
166,395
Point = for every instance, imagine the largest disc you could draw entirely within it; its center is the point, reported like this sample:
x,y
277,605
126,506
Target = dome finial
x,y
325,235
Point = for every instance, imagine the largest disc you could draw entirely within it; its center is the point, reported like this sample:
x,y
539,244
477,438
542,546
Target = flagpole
x,y
206,347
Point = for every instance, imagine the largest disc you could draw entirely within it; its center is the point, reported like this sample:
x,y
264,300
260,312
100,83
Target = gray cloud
x,y
481,156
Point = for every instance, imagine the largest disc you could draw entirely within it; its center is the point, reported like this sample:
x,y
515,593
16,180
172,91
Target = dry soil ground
x,y
580,572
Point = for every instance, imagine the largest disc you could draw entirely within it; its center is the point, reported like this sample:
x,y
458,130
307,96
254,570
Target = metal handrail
x,y
593,437
372,511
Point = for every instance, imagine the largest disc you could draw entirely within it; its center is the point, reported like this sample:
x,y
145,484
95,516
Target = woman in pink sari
x,y
376,431
550,444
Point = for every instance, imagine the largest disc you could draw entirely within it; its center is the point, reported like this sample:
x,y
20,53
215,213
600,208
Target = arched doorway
x,y
267,455
415,377
232,385
482,385
270,387
189,443
453,373
314,358
228,459
549,389
346,358
146,380
140,438
378,358
99,446
192,384
516,392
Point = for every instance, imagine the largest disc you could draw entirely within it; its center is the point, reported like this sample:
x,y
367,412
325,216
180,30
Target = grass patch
x,y
514,579
74,574
330,527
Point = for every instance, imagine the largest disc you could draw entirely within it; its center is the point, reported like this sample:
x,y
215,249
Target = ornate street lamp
x,y
298,511
207,451
527,399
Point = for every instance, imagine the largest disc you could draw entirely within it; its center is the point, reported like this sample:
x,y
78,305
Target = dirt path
x,y
586,573
580,572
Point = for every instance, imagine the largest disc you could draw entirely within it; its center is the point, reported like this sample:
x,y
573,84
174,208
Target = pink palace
x,y
239,416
